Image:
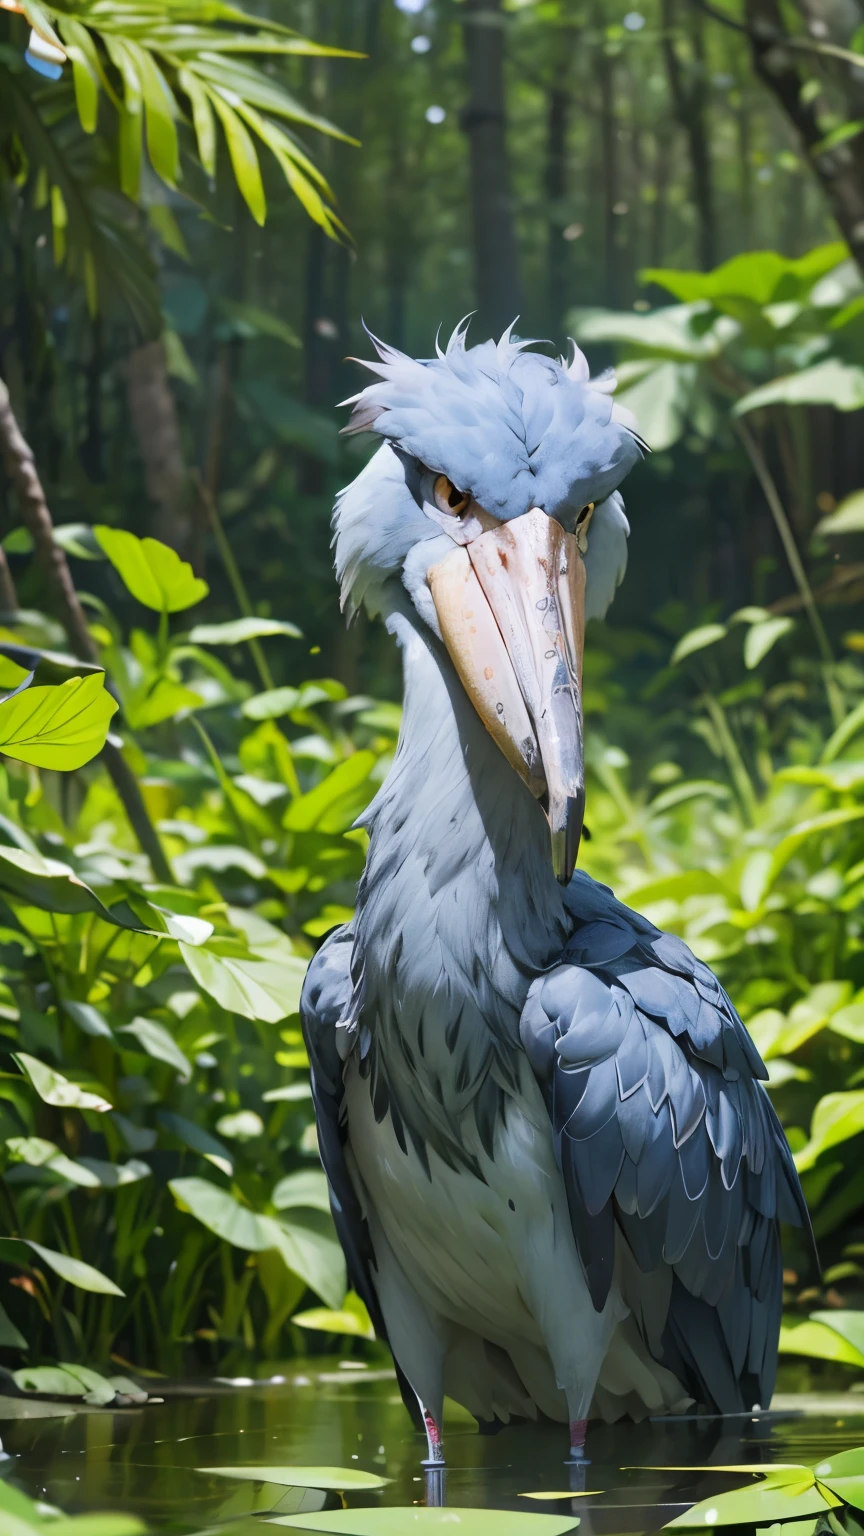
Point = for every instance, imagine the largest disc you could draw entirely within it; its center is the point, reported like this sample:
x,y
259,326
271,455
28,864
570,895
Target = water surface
x,y
145,1461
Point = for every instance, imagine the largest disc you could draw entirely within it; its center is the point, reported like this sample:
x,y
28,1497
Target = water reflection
x,y
146,1461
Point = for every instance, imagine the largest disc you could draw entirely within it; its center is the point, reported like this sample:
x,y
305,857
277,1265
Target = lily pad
x,y
339,1479
758,1505
408,1522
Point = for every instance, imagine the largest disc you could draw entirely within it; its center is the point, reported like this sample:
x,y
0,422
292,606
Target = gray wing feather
x,y
325,1011
664,1134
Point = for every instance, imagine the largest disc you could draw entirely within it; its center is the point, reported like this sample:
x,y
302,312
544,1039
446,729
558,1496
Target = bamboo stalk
x,y
21,468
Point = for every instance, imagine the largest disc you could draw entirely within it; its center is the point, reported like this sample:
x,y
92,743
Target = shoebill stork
x,y
554,1169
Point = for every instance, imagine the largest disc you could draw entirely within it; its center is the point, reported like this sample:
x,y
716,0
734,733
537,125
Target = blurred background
x,y
199,209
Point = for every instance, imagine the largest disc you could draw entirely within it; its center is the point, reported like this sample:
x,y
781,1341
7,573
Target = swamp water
x,y
158,1462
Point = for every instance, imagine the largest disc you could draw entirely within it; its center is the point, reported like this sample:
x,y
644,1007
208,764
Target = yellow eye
x,y
583,522
448,499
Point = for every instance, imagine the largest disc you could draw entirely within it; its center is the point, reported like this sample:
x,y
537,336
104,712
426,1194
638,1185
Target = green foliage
x,y
57,727
784,1493
152,571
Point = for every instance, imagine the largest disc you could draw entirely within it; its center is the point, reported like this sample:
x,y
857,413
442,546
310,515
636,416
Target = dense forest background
x,y
199,210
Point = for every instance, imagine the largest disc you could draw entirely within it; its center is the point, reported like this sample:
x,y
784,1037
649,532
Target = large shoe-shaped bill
x,y
511,605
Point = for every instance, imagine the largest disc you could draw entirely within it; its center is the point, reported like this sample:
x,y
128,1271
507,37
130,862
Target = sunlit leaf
x,y
340,1479
760,1504
307,1187
818,1341
59,727
351,1319
698,640
831,382
762,637
79,1274
220,1213
53,1088
333,805
198,1139
416,1518
235,631
154,1039
36,1153
257,989
153,572
848,517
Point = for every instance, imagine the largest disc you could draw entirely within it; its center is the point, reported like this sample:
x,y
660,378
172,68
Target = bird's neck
x,y
459,907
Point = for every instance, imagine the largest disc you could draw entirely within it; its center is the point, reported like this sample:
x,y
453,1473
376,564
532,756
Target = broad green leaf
x,y
660,397
818,1341
88,1019
310,1248
762,277
810,1014
665,333
220,1213
829,821
258,989
82,1275
244,1125
844,1464
339,1479
155,1040
36,1153
59,727
153,572
831,382
849,1324
308,1187
837,1118
697,640
332,805
761,638
848,517
850,1490
351,1319
50,1380
235,631
158,699
758,1505
115,1175
53,1088
416,1519
197,1139
849,1021
291,1094
97,1389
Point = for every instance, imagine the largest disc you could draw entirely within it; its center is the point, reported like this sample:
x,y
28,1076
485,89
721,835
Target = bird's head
x,y
494,503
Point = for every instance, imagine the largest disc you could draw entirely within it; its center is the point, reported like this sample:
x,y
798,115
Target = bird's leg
x,y
578,1460
434,1466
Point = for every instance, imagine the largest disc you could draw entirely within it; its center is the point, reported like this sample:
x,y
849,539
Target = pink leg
x,y
578,1430
433,1439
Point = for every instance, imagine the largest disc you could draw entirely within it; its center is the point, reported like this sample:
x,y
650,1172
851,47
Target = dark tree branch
x,y
21,468
8,595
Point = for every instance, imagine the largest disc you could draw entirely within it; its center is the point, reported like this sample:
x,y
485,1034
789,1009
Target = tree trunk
x,y
484,120
21,468
688,90
558,107
153,412
605,66
840,172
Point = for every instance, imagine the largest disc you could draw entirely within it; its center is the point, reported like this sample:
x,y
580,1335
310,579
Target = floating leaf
x,y
235,631
60,727
410,1521
49,1380
758,1505
339,1479
152,571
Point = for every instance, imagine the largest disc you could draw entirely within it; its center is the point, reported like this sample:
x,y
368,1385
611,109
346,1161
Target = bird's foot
x,y
578,1461
435,1477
